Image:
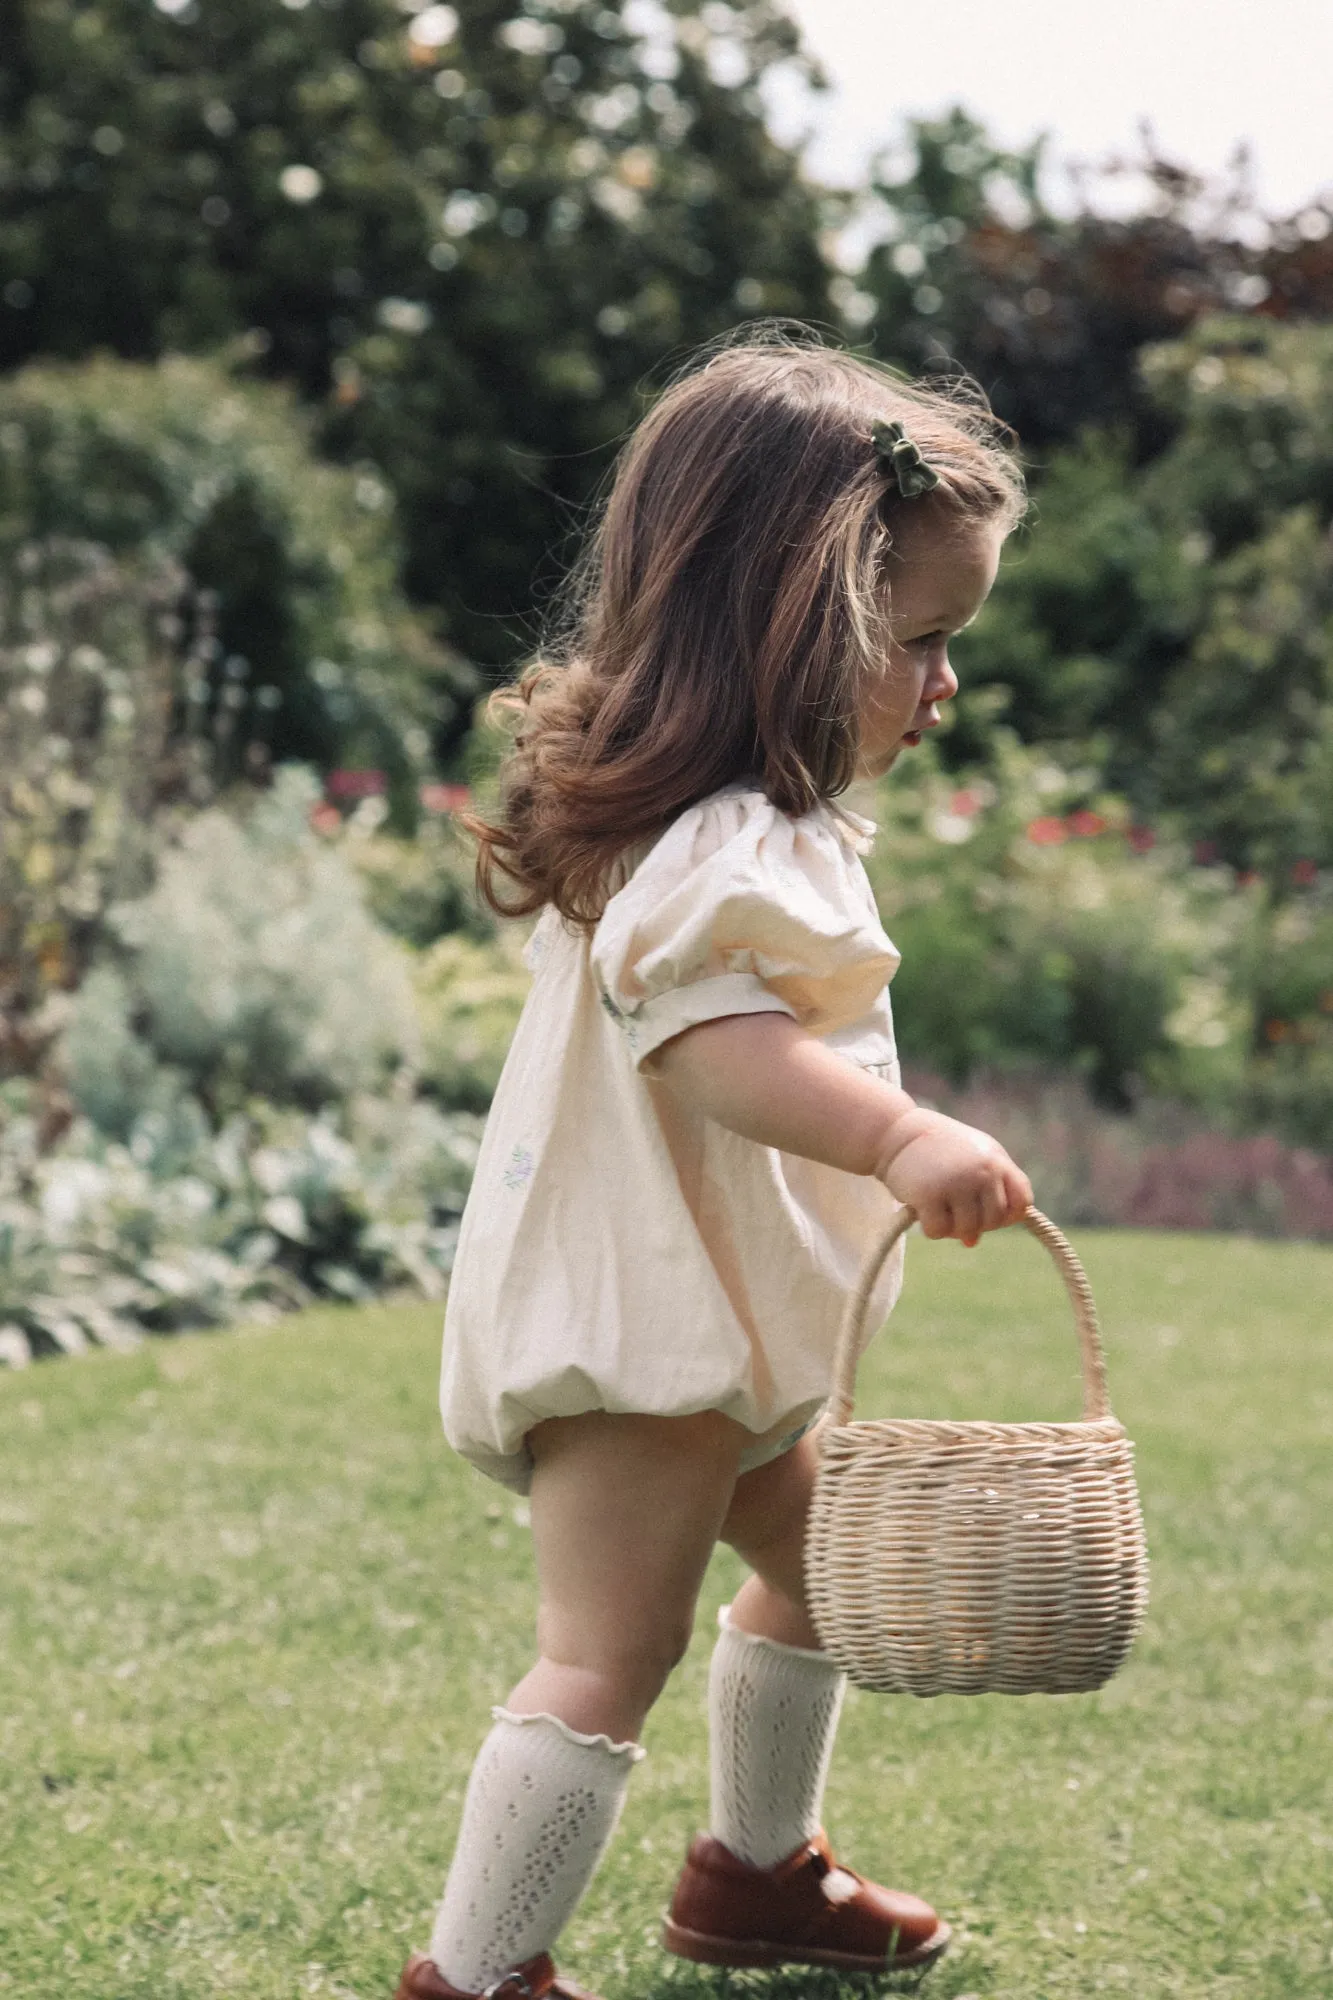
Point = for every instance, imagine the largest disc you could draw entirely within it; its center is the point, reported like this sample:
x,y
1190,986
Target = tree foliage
x,y
1173,623
466,236
1051,311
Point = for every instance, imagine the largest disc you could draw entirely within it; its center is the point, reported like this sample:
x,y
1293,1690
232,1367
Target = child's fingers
x,y
1006,1200
968,1218
967,1213
994,1206
1020,1194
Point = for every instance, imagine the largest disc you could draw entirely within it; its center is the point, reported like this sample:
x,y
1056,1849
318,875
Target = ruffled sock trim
x,y
814,1654
634,1751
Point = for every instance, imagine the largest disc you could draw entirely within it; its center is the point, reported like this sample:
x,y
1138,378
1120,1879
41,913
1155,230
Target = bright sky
x,y
1206,72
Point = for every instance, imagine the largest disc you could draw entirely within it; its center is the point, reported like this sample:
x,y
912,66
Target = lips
x,y
912,738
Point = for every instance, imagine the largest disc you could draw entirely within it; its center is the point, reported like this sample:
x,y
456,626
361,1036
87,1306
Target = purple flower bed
x,y
1161,1167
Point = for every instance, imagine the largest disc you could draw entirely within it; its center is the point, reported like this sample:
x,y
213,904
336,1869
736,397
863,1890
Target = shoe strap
x,y
531,1981
839,1884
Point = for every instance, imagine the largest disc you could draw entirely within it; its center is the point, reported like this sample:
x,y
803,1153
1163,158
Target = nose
x,y
941,683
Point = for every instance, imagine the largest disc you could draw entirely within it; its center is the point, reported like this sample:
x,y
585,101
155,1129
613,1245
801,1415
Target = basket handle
x,y
1096,1396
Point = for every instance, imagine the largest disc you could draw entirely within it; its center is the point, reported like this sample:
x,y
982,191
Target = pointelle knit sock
x,y
772,1716
540,1809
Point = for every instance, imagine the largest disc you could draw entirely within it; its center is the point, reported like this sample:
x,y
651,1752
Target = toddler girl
x,y
700,1131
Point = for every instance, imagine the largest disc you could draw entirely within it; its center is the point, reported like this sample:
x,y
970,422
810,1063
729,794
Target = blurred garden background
x,y
320,323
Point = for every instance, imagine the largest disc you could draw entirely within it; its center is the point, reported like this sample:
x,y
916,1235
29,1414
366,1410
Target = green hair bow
x,y
902,459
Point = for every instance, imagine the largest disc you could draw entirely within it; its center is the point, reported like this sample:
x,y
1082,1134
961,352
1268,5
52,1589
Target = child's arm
x,y
762,1076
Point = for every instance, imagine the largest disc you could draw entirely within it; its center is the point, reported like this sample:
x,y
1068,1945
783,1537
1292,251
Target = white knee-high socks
x,y
543,1801
772,1716
541,1806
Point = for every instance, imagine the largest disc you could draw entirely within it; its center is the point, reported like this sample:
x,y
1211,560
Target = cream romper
x,y
620,1251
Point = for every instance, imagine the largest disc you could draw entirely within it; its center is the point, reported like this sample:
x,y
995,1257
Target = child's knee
x,y
623,1683
641,1657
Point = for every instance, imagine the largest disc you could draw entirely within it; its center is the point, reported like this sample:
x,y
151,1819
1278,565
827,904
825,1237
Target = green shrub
x,y
247,1056
181,1225
1245,732
317,656
97,737
470,995
251,968
420,889
1033,931
1039,926
1288,1082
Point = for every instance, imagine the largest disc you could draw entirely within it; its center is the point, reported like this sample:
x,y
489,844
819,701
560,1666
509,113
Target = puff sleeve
x,y
741,909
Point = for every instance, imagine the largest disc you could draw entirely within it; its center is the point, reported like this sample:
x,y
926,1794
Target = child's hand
x,y
960,1181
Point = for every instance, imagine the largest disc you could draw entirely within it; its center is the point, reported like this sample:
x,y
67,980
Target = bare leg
x,y
766,1525
625,1513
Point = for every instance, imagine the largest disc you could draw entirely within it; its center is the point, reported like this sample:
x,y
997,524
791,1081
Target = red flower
x,y
966,803
356,784
1086,824
1046,832
445,798
1142,839
1305,874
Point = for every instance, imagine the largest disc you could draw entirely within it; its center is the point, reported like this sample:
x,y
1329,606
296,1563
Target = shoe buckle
x,y
518,1981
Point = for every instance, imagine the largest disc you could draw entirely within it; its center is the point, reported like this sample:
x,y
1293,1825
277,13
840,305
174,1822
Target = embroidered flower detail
x,y
519,1171
628,1026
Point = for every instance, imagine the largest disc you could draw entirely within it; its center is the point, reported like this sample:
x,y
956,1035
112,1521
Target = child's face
x,y
939,578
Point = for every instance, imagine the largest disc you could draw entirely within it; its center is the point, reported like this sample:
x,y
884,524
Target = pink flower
x,y
1305,874
966,803
1086,824
1142,839
1046,832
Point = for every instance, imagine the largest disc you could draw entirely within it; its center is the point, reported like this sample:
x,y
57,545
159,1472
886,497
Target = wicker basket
x,y
967,1558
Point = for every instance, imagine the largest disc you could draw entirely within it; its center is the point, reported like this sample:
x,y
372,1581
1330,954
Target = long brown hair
x,y
725,609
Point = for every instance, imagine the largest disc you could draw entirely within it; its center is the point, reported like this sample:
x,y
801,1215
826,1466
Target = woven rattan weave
x,y
967,1558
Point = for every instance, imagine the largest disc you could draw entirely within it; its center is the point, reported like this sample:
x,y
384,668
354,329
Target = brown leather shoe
x,y
806,1910
535,1979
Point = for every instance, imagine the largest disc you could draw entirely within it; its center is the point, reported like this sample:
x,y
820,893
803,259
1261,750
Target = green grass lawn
x,y
254,1615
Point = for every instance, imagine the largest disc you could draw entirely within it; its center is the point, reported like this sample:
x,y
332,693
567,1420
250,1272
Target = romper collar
x,y
855,831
